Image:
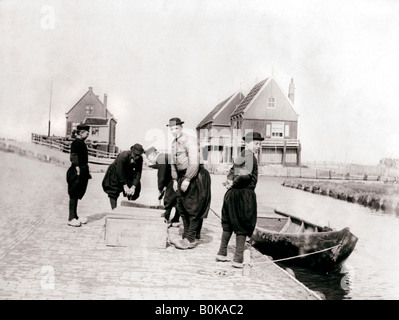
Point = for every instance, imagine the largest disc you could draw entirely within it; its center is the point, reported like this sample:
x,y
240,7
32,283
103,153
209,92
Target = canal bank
x,y
43,258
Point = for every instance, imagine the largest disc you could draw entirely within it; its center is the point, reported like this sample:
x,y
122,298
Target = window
x,y
271,103
74,125
89,109
237,124
268,130
277,129
95,131
287,130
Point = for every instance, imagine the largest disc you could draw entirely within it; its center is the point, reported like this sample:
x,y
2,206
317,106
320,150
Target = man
x,y
239,211
78,174
160,161
191,182
124,175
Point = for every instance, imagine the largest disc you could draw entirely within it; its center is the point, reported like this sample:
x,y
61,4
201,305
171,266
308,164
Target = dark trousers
x,y
192,227
170,202
240,246
73,206
193,205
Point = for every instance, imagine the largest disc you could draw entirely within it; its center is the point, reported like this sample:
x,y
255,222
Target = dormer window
x,y
271,103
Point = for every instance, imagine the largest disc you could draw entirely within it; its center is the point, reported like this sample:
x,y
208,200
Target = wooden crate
x,y
136,227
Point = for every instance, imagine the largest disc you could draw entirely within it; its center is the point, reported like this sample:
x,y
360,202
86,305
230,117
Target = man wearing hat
x,y
78,174
160,161
124,175
192,184
239,211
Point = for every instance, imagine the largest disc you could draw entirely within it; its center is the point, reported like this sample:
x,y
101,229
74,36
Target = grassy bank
x,y
378,196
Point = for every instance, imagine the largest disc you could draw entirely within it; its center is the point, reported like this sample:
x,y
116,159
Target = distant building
x,y
214,130
90,110
266,109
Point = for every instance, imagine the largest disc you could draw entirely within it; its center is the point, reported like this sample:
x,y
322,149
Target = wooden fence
x,y
64,145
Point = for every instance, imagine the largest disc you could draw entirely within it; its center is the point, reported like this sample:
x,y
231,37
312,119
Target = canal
x,y
371,272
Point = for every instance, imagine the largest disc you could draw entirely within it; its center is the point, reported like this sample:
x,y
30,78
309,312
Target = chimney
x,y
91,89
291,90
105,104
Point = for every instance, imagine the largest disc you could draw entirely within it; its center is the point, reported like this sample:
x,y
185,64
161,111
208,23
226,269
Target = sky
x,y
158,59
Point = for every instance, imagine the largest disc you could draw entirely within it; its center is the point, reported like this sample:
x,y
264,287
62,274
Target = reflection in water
x,y
333,286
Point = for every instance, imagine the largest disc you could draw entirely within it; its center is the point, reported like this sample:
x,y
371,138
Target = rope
x,y
298,256
289,258
217,216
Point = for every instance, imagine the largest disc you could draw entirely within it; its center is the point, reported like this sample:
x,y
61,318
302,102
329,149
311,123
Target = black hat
x,y
137,149
150,150
83,127
251,136
174,122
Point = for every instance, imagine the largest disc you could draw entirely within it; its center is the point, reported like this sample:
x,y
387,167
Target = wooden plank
x,y
286,226
138,212
131,203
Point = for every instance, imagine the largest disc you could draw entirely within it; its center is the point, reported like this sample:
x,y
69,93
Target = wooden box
x,y
136,227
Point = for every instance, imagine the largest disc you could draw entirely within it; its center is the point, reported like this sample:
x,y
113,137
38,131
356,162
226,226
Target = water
x,y
371,272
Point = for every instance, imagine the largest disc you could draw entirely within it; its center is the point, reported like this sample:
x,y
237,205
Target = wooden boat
x,y
284,236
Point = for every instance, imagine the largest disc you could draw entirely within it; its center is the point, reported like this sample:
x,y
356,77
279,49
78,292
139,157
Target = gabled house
x,y
214,130
266,109
90,110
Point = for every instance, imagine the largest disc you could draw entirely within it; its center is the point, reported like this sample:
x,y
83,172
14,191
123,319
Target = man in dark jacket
x,y
124,175
78,174
160,161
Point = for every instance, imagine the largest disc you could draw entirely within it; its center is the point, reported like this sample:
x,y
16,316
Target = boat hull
x,y
324,251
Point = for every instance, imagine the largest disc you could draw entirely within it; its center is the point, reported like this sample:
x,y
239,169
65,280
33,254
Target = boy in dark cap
x,y
124,175
239,211
78,174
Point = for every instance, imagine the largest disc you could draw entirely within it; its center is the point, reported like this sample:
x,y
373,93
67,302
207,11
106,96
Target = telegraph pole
x,y
49,112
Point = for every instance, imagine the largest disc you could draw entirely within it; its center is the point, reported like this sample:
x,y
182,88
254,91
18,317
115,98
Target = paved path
x,y
43,258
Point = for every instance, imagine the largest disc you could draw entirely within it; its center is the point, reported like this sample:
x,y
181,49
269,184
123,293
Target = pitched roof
x,y
244,103
90,91
210,116
92,121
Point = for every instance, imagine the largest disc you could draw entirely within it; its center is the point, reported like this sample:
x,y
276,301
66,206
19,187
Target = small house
x,y
91,111
268,110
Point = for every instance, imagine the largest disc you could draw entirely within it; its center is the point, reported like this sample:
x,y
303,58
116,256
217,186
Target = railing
x,y
64,145
266,143
51,143
280,142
